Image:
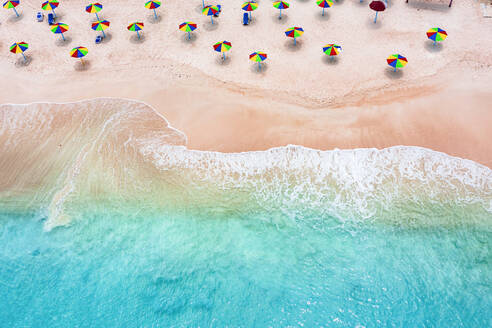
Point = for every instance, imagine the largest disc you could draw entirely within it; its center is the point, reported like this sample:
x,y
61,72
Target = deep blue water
x,y
113,270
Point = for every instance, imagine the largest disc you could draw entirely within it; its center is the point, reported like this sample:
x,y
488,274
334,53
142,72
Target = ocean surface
x,y
108,220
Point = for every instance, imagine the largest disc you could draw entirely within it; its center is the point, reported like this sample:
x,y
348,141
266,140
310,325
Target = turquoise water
x,y
190,270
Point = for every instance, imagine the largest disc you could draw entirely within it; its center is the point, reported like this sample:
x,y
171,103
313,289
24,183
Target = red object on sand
x,y
377,6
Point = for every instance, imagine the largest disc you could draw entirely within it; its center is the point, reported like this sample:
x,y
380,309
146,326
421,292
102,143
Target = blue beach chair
x,y
245,19
99,39
51,19
40,17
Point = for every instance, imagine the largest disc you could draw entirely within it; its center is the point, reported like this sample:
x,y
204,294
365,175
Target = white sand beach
x,y
441,100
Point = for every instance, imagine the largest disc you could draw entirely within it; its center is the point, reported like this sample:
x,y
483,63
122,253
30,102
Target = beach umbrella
x,y
59,28
94,8
332,49
281,5
19,48
101,26
187,27
11,5
258,57
397,60
135,27
377,6
210,11
153,5
324,4
50,5
294,32
222,47
249,6
437,34
79,52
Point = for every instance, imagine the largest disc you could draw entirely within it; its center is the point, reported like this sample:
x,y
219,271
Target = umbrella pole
x,y
16,12
81,61
25,59
53,10
223,56
203,3
250,15
259,66
138,34
104,34
97,17
294,41
323,12
435,42
280,17
395,69
189,35
63,37
212,18
155,15
376,18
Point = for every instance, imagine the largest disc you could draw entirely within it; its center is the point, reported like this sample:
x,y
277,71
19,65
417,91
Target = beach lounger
x,y
450,3
99,39
51,19
245,19
40,17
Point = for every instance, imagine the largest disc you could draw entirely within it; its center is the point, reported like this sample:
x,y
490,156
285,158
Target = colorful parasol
x,y
397,60
79,52
19,48
101,26
187,27
50,5
281,5
11,5
294,32
94,8
377,6
324,4
249,6
258,57
135,27
332,49
222,47
437,34
153,5
59,28
210,11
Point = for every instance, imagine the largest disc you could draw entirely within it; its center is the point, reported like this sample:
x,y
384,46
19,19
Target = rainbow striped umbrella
x,y
210,11
332,49
187,27
249,6
153,5
11,5
258,57
294,32
324,4
59,28
94,8
79,52
19,48
281,5
437,34
397,60
101,26
135,27
222,47
50,5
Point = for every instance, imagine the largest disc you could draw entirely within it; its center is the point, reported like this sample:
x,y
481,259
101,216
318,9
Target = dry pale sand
x,y
442,100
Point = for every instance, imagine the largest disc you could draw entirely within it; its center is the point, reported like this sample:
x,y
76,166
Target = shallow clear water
x,y
189,270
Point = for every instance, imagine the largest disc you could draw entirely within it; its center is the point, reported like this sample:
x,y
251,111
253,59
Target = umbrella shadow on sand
x,y
330,60
15,18
21,62
63,43
193,38
152,20
211,27
259,70
136,40
223,62
283,20
392,74
319,16
431,47
374,26
107,38
290,46
81,66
